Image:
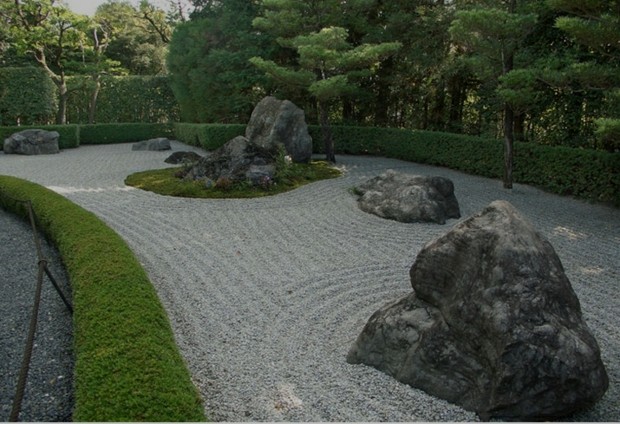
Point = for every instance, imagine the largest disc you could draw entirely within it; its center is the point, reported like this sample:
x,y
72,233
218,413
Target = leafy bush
x,y
608,134
128,367
122,133
69,135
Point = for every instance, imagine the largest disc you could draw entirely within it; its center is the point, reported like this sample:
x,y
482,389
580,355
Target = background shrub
x,y
207,136
122,133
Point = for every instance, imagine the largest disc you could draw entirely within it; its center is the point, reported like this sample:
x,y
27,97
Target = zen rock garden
x,y
273,124
32,142
492,324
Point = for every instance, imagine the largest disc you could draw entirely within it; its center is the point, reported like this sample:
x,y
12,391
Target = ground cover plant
x,y
128,367
170,182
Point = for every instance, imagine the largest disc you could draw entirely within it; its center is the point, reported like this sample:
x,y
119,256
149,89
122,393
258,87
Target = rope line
x,y
43,270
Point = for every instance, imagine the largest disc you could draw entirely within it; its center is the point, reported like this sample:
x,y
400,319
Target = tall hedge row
x,y
122,133
588,174
27,96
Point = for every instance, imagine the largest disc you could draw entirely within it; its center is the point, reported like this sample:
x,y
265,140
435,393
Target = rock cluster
x,y
493,324
409,198
32,142
237,160
274,124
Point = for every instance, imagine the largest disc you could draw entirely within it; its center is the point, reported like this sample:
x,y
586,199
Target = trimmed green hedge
x,y
588,174
207,136
69,134
128,367
584,173
122,133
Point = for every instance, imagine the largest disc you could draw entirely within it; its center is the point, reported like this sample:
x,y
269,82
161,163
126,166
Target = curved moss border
x,y
128,367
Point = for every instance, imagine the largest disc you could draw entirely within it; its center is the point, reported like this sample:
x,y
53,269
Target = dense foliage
x,y
551,66
208,63
128,367
133,98
27,96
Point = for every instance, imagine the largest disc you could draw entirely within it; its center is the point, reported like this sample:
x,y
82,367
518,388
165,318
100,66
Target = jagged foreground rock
x,y
493,324
409,198
32,142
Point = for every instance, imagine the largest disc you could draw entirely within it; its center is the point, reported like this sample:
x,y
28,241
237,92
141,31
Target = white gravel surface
x,y
265,296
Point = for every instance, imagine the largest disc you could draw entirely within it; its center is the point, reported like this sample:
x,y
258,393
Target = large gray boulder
x,y
276,122
153,144
32,142
409,198
493,325
238,160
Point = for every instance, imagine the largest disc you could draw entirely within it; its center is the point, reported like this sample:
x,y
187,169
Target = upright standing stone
x,y
276,122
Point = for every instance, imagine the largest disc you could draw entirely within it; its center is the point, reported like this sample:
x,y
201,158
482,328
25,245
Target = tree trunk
x,y
92,105
457,100
439,106
509,117
519,127
508,145
326,131
382,96
63,93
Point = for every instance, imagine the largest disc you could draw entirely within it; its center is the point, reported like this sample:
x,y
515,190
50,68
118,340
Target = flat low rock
x,y
32,142
183,158
409,198
156,144
492,325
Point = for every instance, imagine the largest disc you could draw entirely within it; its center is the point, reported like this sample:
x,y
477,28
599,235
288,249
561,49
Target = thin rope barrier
x,y
43,270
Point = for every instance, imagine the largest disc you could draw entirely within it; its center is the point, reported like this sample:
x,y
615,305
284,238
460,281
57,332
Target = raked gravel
x,y
265,296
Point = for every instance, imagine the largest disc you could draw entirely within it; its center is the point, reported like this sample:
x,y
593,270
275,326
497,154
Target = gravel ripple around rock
x,y
265,296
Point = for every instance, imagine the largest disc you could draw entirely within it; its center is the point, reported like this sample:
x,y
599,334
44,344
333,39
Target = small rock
x,y
183,158
156,144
